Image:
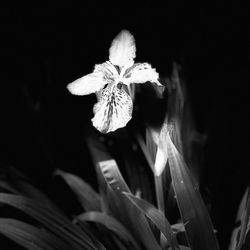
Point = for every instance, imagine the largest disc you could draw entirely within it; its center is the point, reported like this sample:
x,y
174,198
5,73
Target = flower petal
x,y
113,111
104,73
108,69
87,84
141,73
122,50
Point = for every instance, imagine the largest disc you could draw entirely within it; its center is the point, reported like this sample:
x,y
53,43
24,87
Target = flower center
x,y
119,85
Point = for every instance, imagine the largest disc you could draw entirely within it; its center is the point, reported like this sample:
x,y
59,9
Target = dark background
x,y
45,48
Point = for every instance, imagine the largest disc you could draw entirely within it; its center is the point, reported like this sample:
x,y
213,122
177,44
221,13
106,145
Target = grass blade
x,y
237,232
13,181
198,226
87,196
50,219
156,216
184,248
145,151
244,214
151,142
113,176
161,154
29,236
25,189
111,223
124,211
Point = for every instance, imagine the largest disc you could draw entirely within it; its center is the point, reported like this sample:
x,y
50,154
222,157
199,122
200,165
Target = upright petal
x,y
87,84
113,111
141,73
122,50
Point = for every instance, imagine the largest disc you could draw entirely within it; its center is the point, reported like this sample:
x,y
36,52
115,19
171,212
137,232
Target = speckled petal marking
x,y
108,70
113,111
141,73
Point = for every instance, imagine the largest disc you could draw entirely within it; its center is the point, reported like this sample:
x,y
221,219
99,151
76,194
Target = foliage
x,y
119,217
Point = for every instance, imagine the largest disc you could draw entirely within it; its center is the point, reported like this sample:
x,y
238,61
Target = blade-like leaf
x,y
234,239
29,236
237,235
52,220
178,228
87,196
199,229
111,223
15,182
123,210
243,205
25,189
245,218
247,241
184,248
7,171
145,151
113,176
151,142
120,245
156,216
161,154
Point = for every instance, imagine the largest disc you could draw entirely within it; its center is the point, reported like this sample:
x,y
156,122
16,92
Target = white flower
x,y
114,108
161,158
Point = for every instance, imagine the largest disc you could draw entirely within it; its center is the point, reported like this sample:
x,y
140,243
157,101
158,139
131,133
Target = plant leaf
x,y
178,228
184,247
87,196
198,226
15,182
244,215
156,216
236,234
50,219
152,141
111,223
161,154
122,209
145,151
23,188
29,236
113,176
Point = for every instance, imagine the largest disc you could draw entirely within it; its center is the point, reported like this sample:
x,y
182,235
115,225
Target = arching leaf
x,y
198,226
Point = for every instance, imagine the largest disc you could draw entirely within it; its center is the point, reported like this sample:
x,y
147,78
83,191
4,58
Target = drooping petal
x,y
113,111
87,84
103,74
141,73
122,50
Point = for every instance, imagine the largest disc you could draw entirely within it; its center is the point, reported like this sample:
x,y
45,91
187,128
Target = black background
x,y
44,48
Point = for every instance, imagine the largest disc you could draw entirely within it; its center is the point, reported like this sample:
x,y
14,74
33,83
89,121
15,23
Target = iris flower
x,y
111,80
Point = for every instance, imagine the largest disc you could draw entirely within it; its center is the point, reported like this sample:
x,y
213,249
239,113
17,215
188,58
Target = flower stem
x,y
159,193
160,204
